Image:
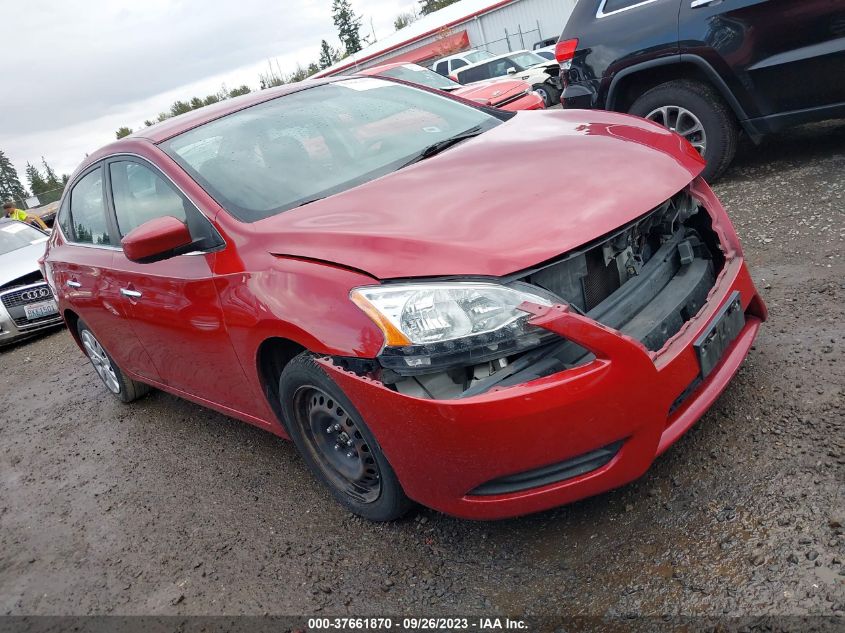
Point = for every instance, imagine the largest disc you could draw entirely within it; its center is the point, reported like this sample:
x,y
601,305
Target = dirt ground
x,y
163,507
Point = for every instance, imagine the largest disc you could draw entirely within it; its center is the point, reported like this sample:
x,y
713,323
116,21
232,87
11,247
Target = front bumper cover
x,y
442,450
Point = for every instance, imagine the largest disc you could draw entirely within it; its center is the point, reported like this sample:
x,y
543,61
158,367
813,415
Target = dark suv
x,y
708,69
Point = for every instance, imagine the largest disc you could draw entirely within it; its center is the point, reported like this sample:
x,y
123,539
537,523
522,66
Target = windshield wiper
x,y
446,143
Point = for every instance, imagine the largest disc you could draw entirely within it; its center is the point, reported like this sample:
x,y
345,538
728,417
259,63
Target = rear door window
x,y
88,211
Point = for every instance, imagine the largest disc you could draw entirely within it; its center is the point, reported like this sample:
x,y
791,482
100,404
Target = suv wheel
x,y
550,94
695,111
124,389
335,443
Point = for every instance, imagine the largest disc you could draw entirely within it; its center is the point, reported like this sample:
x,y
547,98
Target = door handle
x,y
74,284
696,4
134,294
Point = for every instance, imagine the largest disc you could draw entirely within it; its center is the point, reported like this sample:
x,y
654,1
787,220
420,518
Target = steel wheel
x,y
336,444
683,122
100,360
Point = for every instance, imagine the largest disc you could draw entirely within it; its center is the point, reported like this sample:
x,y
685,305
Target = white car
x,y
547,51
447,65
541,73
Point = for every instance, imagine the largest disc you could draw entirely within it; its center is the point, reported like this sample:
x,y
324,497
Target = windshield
x,y
15,235
477,56
526,59
422,76
317,142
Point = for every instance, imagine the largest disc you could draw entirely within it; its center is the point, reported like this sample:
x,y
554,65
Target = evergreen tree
x,y
10,184
149,123
348,25
37,184
50,178
179,107
196,103
430,6
242,90
404,19
123,131
328,55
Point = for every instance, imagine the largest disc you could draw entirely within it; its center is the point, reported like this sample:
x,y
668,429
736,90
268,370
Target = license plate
x,y
41,309
719,335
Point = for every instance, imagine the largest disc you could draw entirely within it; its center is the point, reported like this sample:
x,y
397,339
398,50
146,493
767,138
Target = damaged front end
x,y
645,280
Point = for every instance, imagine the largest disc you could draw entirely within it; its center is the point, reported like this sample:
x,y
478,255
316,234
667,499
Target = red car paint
x,y
486,207
497,93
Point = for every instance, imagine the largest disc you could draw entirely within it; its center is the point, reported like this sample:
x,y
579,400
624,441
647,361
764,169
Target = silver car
x,y
27,304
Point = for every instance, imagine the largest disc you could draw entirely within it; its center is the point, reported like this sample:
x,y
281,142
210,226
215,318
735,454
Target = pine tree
x,y
37,184
179,107
196,103
430,6
242,90
348,25
10,184
328,55
123,131
50,178
404,19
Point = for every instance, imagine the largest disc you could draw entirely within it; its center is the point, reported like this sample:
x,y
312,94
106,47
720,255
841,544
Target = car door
x,y
780,55
173,304
79,265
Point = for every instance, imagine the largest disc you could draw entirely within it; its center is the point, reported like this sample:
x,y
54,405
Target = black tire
x,y
312,403
122,387
551,95
717,119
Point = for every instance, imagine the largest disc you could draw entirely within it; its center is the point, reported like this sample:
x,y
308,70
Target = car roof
x,y
491,59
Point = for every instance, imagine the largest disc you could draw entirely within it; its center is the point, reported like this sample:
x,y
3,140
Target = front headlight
x,y
430,326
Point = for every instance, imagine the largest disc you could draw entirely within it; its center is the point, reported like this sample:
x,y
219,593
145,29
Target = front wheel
x,y
124,388
697,112
336,444
550,94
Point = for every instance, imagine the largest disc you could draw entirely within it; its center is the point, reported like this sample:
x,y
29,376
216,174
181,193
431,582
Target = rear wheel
x,y
335,443
697,112
124,389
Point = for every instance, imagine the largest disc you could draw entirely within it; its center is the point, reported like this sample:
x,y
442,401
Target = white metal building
x,y
497,26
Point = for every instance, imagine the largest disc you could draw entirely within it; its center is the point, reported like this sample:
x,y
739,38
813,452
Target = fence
x,y
512,41
42,199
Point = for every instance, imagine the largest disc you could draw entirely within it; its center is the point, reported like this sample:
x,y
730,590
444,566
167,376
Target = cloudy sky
x,y
74,71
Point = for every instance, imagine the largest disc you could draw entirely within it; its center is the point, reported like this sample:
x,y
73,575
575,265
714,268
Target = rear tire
x,y
701,104
122,387
336,444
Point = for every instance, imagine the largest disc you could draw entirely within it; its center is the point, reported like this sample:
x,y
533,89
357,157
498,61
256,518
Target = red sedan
x,y
506,94
397,281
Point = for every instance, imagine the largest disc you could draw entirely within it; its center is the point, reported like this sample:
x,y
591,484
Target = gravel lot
x,y
163,507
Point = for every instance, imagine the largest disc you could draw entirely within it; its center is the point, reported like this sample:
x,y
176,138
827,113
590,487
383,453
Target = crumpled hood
x,y
539,185
20,262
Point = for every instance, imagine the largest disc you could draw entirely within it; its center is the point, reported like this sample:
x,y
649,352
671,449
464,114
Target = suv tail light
x,y
565,51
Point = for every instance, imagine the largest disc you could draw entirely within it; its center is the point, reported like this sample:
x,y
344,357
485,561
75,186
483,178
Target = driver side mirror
x,y
158,239
511,70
